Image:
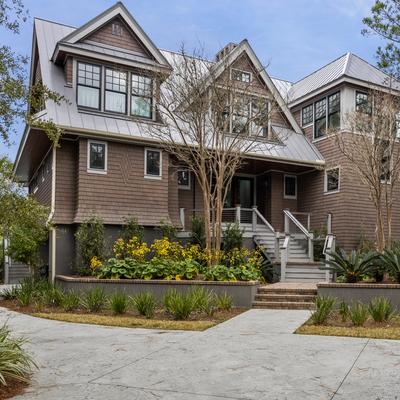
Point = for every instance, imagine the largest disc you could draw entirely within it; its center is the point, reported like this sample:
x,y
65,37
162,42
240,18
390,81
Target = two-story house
x,y
106,165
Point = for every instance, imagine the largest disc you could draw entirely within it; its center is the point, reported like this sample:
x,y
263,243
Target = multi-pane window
x,y
142,96
363,102
332,177
88,86
97,156
240,115
241,76
183,178
115,91
320,118
334,111
260,117
152,163
290,186
385,166
307,114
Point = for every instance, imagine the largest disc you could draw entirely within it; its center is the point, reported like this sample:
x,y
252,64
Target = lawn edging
x,y
363,292
242,293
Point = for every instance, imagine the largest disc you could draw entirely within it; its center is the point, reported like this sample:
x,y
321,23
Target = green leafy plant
x,y
132,229
353,266
381,309
358,313
224,301
180,305
15,362
70,301
145,304
90,243
204,300
26,292
344,311
119,303
167,230
323,308
198,232
10,293
220,273
94,300
232,237
391,262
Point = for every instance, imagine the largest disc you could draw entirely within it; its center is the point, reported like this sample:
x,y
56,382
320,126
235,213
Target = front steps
x,y
286,296
298,271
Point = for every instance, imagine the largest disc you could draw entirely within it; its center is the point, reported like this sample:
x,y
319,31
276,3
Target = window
x,y
334,111
240,115
115,91
241,76
88,86
152,163
290,187
260,117
363,103
116,29
320,119
307,115
184,178
332,178
97,156
142,96
385,165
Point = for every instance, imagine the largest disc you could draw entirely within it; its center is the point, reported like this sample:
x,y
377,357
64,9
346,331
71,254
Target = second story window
x,y
326,115
241,76
334,111
240,115
115,91
320,118
363,103
307,114
142,96
88,87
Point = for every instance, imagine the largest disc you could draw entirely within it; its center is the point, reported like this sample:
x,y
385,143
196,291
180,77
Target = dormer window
x,y
142,96
116,29
88,88
115,91
241,76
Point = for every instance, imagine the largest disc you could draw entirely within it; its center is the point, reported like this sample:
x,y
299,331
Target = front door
x,y
241,193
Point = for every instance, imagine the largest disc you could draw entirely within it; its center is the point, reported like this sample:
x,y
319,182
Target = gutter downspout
x,y
52,249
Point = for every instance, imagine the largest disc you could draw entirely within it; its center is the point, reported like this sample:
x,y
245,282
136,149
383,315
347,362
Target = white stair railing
x,y
329,246
289,217
285,250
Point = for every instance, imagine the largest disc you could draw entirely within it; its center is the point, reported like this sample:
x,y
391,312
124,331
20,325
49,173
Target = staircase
x,y
286,296
306,271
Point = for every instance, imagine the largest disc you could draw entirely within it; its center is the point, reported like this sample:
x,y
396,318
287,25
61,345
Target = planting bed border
x,y
363,292
242,293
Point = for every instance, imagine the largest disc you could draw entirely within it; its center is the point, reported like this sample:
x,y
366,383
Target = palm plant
x,y
391,260
352,266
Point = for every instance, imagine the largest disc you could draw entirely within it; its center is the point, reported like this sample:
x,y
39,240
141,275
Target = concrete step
x,y
287,305
284,297
282,290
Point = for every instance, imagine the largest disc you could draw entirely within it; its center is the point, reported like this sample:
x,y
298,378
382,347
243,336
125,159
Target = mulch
x,y
13,388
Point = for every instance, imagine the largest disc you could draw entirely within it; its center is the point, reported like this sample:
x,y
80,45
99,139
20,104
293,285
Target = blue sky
x,y
292,37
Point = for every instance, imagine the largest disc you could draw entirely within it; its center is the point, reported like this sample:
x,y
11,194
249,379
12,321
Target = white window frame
x,y
312,119
326,180
94,170
185,187
241,70
147,176
285,196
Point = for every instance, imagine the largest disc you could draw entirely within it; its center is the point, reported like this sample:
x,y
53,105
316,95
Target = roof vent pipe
x,y
225,51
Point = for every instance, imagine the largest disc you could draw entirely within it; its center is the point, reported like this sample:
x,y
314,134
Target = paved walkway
x,y
253,356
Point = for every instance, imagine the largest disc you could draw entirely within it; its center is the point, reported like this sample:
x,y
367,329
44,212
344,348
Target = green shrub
x,y
344,311
145,304
119,303
26,292
180,305
52,296
391,262
15,362
70,301
220,273
381,309
353,266
232,237
10,293
203,300
224,301
94,300
246,272
323,308
122,269
358,313
132,229
167,230
198,232
90,243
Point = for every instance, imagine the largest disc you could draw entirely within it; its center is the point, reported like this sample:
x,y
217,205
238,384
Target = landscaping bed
x,y
14,388
194,309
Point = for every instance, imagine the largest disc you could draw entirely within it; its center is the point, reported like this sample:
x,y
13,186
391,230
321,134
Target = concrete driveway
x,y
253,356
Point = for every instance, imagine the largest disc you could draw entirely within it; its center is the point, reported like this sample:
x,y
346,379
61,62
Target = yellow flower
x,y
178,278
95,263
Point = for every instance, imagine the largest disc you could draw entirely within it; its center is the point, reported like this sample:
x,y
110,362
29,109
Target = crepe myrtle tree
x,y
370,145
211,119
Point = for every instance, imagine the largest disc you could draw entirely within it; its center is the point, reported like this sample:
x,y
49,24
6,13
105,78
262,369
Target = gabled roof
x,y
282,86
347,67
72,39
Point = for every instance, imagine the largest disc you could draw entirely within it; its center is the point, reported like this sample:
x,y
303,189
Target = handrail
x,y
298,224
263,220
